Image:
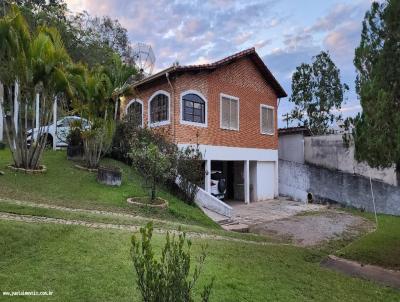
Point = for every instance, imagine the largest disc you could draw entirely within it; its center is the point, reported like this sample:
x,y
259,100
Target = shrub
x,y
97,141
122,141
166,279
74,137
190,172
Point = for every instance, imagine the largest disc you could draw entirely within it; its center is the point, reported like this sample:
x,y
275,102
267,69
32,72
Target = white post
x,y
207,181
55,122
16,105
246,176
1,110
116,110
37,114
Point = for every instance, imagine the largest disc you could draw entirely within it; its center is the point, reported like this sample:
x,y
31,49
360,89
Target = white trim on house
x,y
235,153
182,121
162,123
221,95
273,119
259,176
132,102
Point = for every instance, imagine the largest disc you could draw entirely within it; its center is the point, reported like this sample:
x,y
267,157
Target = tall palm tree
x,y
37,63
119,74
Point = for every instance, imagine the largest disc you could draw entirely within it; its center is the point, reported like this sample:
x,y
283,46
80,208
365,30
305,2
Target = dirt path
x,y
87,211
370,272
131,228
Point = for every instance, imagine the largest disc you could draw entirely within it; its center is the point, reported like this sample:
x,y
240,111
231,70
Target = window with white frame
x,y
159,108
267,119
134,113
229,112
193,108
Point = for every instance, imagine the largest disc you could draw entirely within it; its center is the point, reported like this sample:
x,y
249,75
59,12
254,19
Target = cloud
x,y
188,30
196,32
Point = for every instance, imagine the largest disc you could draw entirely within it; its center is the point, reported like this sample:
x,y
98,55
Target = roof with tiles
x,y
251,53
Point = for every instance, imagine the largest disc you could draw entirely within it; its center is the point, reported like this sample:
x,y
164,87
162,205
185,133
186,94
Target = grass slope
x,y
381,247
80,264
63,184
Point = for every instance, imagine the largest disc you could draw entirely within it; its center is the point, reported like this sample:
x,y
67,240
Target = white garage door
x,y
265,180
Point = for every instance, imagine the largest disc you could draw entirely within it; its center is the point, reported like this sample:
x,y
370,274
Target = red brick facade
x,y
241,79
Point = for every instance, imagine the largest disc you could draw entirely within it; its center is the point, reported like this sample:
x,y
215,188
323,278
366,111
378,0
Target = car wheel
x,y
49,142
222,186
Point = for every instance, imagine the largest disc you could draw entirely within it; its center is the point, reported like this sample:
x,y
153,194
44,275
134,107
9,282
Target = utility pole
x,y
286,118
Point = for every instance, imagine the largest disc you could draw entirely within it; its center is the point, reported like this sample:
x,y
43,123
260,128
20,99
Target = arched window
x,y
134,112
193,108
159,108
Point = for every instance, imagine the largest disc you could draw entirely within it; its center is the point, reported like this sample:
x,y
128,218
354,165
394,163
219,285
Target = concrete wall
x,y
291,147
329,152
294,180
204,199
297,180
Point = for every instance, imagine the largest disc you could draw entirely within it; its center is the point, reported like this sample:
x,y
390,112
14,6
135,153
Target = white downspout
x,y
1,111
55,122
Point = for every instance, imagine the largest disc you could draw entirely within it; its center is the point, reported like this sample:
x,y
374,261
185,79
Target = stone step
x,y
236,227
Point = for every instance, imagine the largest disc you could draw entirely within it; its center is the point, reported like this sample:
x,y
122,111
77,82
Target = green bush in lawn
x,y
166,280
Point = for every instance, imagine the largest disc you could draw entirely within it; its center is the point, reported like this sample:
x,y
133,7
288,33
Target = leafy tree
x,y
377,60
88,39
153,164
167,279
316,92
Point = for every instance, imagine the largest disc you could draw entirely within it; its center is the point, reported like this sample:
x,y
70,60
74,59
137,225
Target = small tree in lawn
x,y
167,279
316,92
154,165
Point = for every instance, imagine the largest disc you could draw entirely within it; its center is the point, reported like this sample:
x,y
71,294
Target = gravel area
x,y
299,223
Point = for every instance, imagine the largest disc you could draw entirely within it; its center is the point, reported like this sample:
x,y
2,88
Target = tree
x,y
93,103
119,74
30,65
153,164
167,279
377,60
88,39
316,92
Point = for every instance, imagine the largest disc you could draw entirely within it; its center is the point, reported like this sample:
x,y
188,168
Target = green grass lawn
x,y
63,184
81,264
381,247
11,207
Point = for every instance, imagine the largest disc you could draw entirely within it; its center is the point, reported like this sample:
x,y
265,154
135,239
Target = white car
x,y
60,132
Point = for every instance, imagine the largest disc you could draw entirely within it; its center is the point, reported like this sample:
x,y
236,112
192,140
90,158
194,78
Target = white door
x,y
265,180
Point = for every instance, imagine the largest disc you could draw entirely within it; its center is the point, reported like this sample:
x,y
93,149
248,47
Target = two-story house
x,y
229,108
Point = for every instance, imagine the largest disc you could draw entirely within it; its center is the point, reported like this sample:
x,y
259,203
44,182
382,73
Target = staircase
x,y
225,222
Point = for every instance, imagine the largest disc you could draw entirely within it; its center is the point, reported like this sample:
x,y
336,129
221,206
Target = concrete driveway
x,y
299,223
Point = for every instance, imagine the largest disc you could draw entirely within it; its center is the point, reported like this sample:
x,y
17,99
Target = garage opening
x,y
230,172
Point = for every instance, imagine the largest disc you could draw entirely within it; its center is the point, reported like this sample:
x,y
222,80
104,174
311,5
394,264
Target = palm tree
x,y
93,103
36,63
119,74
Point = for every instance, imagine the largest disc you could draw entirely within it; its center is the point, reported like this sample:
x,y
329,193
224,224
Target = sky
x,y
285,33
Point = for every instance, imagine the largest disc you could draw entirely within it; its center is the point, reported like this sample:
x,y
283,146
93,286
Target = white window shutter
x,y
234,118
225,113
270,124
267,120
